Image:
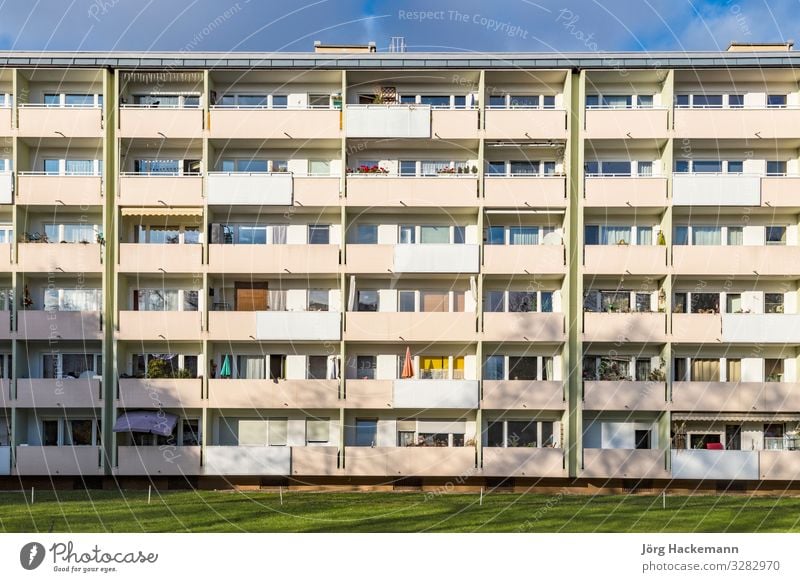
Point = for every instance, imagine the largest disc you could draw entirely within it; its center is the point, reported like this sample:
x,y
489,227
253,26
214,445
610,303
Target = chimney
x,y
344,48
758,47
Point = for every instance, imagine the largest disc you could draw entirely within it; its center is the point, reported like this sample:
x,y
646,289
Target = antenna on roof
x,y
397,44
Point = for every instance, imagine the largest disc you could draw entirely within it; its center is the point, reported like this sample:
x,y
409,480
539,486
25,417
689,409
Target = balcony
x,y
317,190
419,258
315,461
281,394
152,461
281,124
624,327
734,260
155,190
57,393
780,191
67,325
524,259
699,464
159,325
388,121
66,258
761,328
5,454
275,325
608,395
160,258
716,190
47,190
369,394
523,327
526,124
246,189
410,326
410,461
523,462
160,123
245,460
525,191
273,258
625,192
66,460
41,121
625,259
696,327
624,464
435,394
736,123
779,465
626,123
523,395
160,393
454,123
735,396
365,190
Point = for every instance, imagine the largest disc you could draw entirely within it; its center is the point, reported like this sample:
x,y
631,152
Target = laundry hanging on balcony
x,y
155,422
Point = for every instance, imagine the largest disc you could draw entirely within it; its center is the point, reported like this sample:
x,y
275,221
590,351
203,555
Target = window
x,y
643,302
496,168
773,302
71,365
522,368
643,368
680,370
434,301
156,300
280,101
434,235
776,168
682,166
773,370
680,303
707,166
319,101
644,235
408,168
735,167
644,168
317,430
706,235
366,432
494,368
493,301
733,303
735,236
524,168
707,101
279,166
366,234
681,235
641,439
49,434
407,235
365,367
318,300
520,433
736,101
682,100
776,101
705,303
521,301
495,434
617,101
319,234
733,369
617,168
776,235
367,300
495,235
319,167
523,235
72,299
317,368
704,370
406,301
592,101
527,101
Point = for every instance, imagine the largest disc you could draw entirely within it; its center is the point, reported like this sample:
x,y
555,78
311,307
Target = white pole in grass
x,y
481,501
32,495
280,492
149,491
663,499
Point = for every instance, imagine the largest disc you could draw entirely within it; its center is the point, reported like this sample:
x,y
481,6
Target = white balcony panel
x,y
716,190
5,460
6,187
435,394
773,328
376,121
247,460
705,464
436,258
298,325
250,189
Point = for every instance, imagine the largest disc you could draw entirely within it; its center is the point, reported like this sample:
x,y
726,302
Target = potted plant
x,y
661,239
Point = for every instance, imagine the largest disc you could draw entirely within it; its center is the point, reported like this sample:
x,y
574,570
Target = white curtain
x,y
276,300
523,235
706,235
611,235
473,289
252,367
333,367
351,298
278,234
548,369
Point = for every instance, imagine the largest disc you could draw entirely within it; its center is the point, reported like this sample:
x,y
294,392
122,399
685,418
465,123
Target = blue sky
x,y
466,25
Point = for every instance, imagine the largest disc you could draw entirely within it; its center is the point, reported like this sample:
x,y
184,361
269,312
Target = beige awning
x,y
735,417
162,211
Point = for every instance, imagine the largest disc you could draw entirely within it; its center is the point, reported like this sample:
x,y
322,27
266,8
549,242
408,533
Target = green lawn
x,y
230,511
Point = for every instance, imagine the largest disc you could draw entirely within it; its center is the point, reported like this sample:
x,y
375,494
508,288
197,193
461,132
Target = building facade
x,y
366,269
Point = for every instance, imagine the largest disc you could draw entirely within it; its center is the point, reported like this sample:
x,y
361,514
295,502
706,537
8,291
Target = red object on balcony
x,y
714,446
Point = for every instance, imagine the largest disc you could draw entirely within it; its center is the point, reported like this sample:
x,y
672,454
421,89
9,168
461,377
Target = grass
x,y
232,511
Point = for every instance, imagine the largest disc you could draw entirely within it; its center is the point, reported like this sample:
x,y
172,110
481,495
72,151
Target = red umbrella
x,y
408,366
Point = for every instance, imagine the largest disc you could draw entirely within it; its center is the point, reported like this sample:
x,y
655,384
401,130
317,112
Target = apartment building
x,y
373,269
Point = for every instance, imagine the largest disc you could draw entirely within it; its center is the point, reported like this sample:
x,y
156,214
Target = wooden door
x,y
250,296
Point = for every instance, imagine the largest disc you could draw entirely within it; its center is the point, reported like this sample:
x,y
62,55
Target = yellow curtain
x,y
705,370
734,370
